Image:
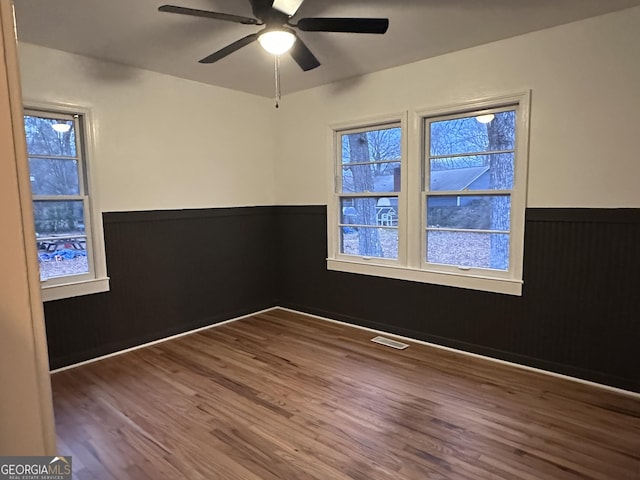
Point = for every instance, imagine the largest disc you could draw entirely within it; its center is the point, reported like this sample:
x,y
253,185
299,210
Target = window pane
x,y
370,242
469,212
469,134
59,218
62,257
43,139
370,211
468,249
377,145
376,177
473,172
54,177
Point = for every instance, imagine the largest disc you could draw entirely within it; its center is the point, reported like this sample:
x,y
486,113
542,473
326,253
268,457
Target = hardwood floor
x,y
285,396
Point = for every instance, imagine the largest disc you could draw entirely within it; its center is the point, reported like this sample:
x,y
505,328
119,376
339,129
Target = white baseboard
x,y
155,342
372,330
475,355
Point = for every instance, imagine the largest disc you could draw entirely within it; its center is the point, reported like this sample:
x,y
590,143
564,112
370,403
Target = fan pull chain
x,y
277,71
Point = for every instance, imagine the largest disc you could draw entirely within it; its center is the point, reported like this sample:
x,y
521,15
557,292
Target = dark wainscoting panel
x,y
171,271
579,314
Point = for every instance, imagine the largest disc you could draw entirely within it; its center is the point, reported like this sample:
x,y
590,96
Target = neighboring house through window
x,y
68,233
370,164
451,212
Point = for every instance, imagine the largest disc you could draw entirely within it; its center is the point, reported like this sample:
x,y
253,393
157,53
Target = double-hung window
x,y
450,212
68,236
368,191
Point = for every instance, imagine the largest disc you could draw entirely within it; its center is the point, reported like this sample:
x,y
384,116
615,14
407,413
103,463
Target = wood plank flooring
x,y
285,396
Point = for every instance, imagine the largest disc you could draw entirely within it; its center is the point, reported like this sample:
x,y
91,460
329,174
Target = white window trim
x,y
409,265
97,280
334,197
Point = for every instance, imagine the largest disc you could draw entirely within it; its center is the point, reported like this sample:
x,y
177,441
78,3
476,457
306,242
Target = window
x,y
368,186
68,236
450,213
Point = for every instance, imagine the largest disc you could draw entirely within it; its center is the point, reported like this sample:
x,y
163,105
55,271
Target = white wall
x,y
165,142
162,142
585,80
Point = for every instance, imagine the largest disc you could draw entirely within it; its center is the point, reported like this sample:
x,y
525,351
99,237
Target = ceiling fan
x,y
278,35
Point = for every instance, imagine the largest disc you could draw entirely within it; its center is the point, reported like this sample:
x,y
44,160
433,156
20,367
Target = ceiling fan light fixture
x,y
277,41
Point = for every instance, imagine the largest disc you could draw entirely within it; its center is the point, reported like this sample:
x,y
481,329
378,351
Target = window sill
x,y
468,281
76,289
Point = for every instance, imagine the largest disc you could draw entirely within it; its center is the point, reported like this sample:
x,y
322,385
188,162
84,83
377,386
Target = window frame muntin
x,y
94,229
411,192
521,103
335,132
82,195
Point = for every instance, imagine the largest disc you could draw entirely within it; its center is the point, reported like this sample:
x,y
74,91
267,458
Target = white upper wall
x,y
161,142
585,110
165,143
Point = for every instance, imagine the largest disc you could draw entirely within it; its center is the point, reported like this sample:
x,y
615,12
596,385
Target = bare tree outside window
x,y
448,210
470,154
501,135
59,200
370,167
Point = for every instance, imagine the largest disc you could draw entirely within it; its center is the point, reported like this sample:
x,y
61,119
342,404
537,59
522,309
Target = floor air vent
x,y
389,343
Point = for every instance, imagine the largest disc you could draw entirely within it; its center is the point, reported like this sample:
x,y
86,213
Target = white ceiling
x,y
135,33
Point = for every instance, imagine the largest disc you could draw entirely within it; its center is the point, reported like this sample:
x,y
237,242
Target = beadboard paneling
x,y
578,315
171,271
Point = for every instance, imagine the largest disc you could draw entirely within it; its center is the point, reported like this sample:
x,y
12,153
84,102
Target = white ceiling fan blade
x,y
290,7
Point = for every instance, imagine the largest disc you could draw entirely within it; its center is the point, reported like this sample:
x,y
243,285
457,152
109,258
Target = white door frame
x,y
26,409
